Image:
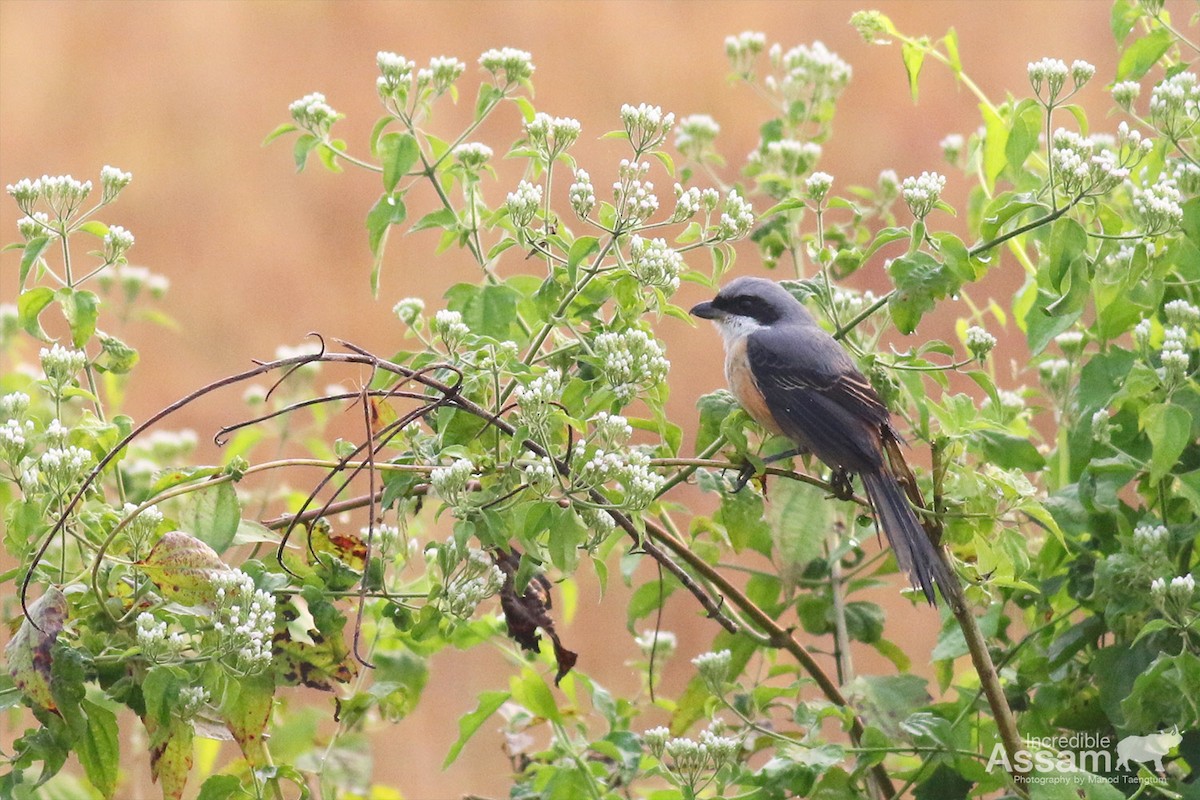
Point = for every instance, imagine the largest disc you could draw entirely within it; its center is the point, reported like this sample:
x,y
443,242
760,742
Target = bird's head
x,y
747,304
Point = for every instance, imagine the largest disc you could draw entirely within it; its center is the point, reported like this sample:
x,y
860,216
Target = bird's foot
x,y
842,484
744,475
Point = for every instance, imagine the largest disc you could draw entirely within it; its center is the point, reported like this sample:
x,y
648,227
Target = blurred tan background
x,y
182,93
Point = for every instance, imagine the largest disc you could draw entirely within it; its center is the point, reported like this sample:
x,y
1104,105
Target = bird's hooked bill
x,y
706,310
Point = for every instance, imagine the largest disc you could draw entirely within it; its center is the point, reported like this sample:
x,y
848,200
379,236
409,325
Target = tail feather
x,y
915,554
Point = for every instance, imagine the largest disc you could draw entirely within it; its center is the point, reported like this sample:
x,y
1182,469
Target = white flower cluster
x,y
889,185
737,218
630,360
662,643
477,580
1011,405
1052,72
695,135
713,667
62,193
523,204
817,186
154,642
14,404
1102,427
164,446
539,473
787,157
952,147
1181,312
1179,590
313,114
191,699
1083,169
646,125
1186,176
582,195
450,483
1159,206
534,399
690,202
611,429
133,280
850,303
244,622
1175,105
441,74
112,181
812,73
450,327
980,342
387,536
634,198
597,520
630,470
1175,359
655,263
551,136
1054,373
395,74
116,242
691,760
14,440
36,224
61,364
1070,342
1141,334
507,65
409,310
472,155
743,48
1150,541
922,192
142,528
1124,93
56,433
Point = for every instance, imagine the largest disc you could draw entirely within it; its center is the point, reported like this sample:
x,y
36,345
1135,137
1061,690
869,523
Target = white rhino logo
x,y
1147,748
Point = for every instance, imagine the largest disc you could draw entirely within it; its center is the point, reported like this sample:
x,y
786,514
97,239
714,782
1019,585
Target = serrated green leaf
x,y
471,722
100,750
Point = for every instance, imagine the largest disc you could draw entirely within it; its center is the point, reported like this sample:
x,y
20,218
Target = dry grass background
x,y
182,93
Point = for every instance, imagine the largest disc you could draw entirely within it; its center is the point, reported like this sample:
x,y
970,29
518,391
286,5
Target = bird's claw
x,y
743,478
841,484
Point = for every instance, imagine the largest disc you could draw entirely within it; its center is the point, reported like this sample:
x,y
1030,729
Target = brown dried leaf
x,y
170,754
320,665
28,651
528,612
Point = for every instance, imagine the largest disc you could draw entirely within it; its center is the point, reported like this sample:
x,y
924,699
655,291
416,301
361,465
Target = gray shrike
x,y
795,379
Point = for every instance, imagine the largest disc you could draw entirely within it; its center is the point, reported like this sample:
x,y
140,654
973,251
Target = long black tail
x,y
915,554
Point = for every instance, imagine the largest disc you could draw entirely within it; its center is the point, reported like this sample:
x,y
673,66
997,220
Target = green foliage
x,y
521,440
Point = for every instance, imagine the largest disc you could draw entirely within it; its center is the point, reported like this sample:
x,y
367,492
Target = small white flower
x,y
409,309
696,134
922,193
472,155
646,125
817,186
1125,93
313,114
112,181
508,65
581,194
524,203
655,263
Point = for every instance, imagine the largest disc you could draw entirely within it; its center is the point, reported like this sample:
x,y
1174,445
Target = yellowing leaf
x,y
183,568
28,652
170,754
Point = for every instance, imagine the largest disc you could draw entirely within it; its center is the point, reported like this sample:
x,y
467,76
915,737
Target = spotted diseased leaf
x,y
247,714
349,548
324,660
170,754
183,569
28,652
525,613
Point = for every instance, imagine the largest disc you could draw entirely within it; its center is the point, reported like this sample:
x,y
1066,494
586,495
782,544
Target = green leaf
x,y
995,144
30,305
220,787
1023,136
715,408
471,722
1143,54
28,652
286,127
100,751
1123,17
399,151
302,148
215,515
34,249
486,100
530,690
914,57
388,210
115,356
488,310
581,248
1169,427
920,282
800,518
170,754
247,715
81,308
444,218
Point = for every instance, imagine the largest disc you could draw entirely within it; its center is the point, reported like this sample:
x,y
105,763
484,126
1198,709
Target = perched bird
x,y
795,379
